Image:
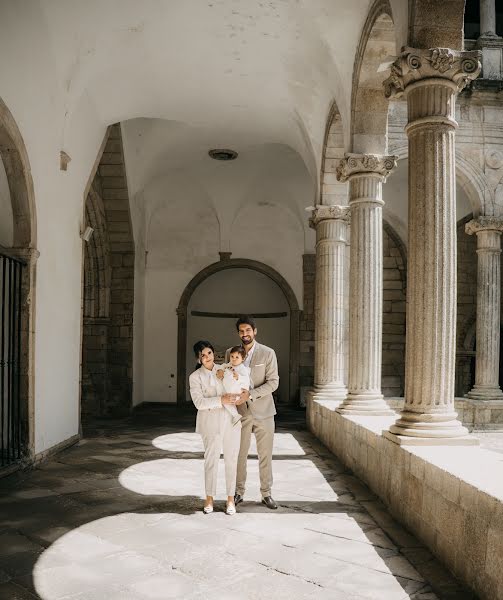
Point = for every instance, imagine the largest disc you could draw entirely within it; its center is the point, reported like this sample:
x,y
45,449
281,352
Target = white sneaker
x,y
208,509
230,509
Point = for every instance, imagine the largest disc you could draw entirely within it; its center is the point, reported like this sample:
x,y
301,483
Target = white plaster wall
x,y
6,222
241,291
59,201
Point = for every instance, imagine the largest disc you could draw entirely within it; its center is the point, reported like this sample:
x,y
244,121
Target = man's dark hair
x,y
246,320
238,349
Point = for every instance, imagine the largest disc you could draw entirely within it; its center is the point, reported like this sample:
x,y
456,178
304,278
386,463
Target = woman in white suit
x,y
214,423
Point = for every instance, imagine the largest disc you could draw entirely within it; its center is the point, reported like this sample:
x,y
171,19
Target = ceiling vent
x,y
223,154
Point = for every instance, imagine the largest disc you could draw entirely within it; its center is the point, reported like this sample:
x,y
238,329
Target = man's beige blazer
x,y
264,374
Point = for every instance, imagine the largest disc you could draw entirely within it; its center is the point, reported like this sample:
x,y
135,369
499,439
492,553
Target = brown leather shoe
x,y
269,502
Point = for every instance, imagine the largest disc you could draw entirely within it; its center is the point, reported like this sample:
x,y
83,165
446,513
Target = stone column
x,y
431,79
488,231
487,18
366,174
331,224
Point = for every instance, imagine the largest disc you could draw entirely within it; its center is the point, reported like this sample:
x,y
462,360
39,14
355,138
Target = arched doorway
x,y
227,318
108,287
17,276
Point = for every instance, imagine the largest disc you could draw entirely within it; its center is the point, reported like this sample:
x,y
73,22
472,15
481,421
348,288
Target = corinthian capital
x,y
358,164
414,64
322,213
484,223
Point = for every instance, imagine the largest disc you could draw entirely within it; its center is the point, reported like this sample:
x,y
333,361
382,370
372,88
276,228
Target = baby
x,y
235,378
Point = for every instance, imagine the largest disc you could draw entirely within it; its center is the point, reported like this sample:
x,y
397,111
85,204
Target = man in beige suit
x,y
257,410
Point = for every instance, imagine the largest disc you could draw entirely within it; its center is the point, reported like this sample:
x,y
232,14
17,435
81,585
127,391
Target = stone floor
x,y
118,517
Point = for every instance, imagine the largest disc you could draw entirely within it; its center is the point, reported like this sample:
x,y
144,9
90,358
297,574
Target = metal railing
x,y
11,273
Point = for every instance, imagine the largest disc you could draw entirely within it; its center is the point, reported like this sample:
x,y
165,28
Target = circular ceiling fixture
x,y
223,154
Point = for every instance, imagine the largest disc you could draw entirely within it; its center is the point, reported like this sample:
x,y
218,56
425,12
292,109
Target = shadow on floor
x,y
86,484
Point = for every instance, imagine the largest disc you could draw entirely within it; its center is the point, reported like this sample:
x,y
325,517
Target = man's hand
x,y
220,374
243,397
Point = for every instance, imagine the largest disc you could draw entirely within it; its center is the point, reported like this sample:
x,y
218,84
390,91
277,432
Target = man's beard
x,y
247,339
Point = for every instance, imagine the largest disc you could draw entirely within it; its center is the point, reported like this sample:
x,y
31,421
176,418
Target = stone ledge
x,y
451,498
476,415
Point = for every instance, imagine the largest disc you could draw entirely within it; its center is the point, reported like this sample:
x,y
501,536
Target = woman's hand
x,y
220,374
228,398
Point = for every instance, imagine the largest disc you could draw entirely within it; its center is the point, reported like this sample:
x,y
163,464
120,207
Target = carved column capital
x,y
323,212
414,64
484,223
365,164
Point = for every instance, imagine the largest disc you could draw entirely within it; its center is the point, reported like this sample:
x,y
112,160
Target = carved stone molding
x,y
484,223
415,64
323,213
358,164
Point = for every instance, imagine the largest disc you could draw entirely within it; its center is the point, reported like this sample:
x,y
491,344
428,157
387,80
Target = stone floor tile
x,y
12,591
13,543
124,522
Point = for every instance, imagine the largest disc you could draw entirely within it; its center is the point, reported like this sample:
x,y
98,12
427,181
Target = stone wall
x,y
306,362
107,354
393,336
451,497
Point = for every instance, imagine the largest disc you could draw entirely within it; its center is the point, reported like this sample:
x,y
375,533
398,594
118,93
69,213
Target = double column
x,y
431,80
366,174
488,231
331,225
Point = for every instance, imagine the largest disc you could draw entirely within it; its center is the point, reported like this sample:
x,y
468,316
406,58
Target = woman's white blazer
x,y
205,391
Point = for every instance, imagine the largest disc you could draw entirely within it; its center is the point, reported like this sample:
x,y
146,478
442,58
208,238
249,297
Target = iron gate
x,y
11,273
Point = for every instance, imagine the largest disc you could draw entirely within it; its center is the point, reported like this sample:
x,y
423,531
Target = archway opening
x,y
221,298
108,288
17,276
215,298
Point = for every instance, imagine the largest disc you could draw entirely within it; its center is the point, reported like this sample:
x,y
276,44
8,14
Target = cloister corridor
x,y
118,516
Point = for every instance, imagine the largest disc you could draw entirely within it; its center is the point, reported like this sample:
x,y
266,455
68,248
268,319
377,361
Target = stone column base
x,y
329,391
483,393
405,440
428,425
365,404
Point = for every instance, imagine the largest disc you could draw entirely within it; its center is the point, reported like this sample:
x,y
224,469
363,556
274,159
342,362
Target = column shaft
x,y
366,174
431,80
487,18
488,310
331,223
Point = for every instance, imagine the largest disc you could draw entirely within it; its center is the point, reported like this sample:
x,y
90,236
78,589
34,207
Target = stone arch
x,y
108,286
17,167
97,273
14,156
369,106
237,263
466,306
332,192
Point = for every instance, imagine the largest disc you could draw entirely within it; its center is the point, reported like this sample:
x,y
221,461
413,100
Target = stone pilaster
x,y
366,174
488,231
331,224
431,80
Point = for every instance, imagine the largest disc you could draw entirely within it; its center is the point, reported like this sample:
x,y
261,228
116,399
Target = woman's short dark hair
x,y
246,320
238,349
199,347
